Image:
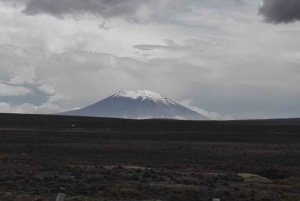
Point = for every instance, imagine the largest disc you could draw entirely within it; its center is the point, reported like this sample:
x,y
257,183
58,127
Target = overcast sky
x,y
228,58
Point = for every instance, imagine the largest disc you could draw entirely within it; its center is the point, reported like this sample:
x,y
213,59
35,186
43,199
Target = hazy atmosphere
x,y
230,59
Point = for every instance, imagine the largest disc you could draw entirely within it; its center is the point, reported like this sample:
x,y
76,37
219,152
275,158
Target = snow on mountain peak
x,y
143,95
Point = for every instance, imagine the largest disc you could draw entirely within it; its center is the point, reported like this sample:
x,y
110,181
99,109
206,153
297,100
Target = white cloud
x,y
47,89
209,115
7,90
28,108
26,76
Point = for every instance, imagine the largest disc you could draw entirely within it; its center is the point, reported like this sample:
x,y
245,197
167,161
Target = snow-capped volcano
x,y
143,95
139,104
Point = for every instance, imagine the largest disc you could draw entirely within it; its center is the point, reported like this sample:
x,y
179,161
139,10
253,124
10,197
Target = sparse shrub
x,y
134,177
139,170
77,173
266,199
236,189
3,158
242,195
225,177
125,192
274,173
38,199
225,184
161,179
236,178
227,193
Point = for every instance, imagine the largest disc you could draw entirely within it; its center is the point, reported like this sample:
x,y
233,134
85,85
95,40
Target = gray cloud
x,y
170,45
145,47
140,12
104,26
280,11
191,46
104,8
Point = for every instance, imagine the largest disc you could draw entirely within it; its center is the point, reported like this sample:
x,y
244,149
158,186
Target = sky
x,y
228,59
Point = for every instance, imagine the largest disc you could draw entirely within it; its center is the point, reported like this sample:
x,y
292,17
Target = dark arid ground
x,y
114,159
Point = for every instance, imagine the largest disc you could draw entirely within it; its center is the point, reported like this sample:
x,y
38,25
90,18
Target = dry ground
x,y
148,161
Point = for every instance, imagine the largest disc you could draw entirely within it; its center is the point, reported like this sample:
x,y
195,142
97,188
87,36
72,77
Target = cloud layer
x,y
142,11
27,108
104,8
219,55
280,11
8,90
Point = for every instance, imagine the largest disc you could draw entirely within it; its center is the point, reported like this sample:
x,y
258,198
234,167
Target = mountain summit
x,y
144,95
139,104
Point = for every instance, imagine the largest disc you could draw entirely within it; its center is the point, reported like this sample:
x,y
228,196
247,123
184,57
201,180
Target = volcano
x,y
139,104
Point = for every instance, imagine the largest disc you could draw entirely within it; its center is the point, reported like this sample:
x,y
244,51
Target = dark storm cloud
x,y
280,11
104,8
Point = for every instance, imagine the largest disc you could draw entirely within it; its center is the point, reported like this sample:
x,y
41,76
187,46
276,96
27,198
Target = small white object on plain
x,y
217,199
60,197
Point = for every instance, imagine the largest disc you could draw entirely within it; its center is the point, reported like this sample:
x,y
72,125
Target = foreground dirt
x,y
115,164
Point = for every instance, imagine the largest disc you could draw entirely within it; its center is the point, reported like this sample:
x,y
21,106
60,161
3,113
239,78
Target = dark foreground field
x,y
114,159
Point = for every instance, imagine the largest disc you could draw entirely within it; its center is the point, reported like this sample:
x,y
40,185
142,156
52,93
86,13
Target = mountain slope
x,y
140,104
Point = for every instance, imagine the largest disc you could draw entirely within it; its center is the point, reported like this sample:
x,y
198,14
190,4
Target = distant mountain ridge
x,y
139,104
